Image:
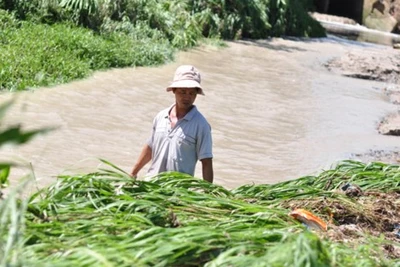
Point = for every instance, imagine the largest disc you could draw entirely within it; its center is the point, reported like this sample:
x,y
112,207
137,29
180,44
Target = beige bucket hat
x,y
186,76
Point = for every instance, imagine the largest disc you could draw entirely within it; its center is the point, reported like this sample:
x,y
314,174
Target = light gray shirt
x,y
179,148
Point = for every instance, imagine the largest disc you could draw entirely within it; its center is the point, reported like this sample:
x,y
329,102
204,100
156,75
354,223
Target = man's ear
x,y
173,90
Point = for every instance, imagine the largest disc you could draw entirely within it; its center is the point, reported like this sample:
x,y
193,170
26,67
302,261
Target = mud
x,y
381,65
390,157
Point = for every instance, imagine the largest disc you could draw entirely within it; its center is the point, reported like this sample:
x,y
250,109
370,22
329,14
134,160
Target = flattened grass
x,y
108,219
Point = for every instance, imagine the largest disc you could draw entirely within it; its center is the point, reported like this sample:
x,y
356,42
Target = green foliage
x,y
4,173
12,220
376,176
26,9
47,66
108,219
15,134
184,22
233,19
303,249
127,33
84,6
64,53
299,23
7,21
171,19
306,250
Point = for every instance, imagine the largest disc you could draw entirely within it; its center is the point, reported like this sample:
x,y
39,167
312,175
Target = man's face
x,y
185,97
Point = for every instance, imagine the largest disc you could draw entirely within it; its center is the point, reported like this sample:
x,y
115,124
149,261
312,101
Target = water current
x,y
276,113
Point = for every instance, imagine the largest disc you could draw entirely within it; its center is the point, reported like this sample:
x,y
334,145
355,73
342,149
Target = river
x,y
276,113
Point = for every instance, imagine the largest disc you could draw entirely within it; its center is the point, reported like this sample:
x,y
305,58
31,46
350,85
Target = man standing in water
x,y
180,135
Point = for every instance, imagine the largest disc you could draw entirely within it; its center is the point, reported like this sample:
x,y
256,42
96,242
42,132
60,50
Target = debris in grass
x,y
373,214
310,220
397,230
352,190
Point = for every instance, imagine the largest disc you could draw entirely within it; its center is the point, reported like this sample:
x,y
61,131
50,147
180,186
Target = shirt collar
x,y
188,116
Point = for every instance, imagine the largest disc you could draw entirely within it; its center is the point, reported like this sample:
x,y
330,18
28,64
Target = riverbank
x,y
382,65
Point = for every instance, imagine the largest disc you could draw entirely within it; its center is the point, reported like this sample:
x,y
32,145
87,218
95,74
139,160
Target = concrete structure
x,y
344,8
383,15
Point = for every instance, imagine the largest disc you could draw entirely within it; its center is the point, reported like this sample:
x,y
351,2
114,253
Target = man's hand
x,y
144,158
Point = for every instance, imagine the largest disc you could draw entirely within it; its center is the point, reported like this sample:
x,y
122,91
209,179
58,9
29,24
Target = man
x,y
181,135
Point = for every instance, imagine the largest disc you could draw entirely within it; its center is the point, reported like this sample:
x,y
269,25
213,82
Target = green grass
x,y
42,55
108,219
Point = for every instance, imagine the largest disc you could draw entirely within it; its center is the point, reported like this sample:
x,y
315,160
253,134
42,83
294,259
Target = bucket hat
x,y
186,76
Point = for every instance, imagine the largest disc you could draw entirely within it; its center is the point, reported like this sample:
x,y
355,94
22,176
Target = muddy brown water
x,y
276,113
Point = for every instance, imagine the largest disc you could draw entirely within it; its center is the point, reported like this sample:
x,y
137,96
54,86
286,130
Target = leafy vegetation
x,y
108,219
81,36
64,52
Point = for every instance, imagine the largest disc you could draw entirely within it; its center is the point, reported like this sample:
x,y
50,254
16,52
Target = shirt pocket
x,y
187,142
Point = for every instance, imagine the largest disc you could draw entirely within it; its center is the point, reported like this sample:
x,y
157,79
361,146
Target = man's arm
x,y
144,158
208,172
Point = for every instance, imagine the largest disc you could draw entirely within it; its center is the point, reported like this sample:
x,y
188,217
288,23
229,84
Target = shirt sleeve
x,y
204,142
150,140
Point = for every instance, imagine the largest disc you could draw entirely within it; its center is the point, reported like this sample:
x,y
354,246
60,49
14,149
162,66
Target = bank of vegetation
x,y
48,42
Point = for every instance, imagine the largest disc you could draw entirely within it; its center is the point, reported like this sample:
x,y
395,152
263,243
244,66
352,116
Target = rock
x,y
352,190
382,15
393,92
390,125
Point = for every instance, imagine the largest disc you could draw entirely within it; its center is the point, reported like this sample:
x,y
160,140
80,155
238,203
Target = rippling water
x,y
276,113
